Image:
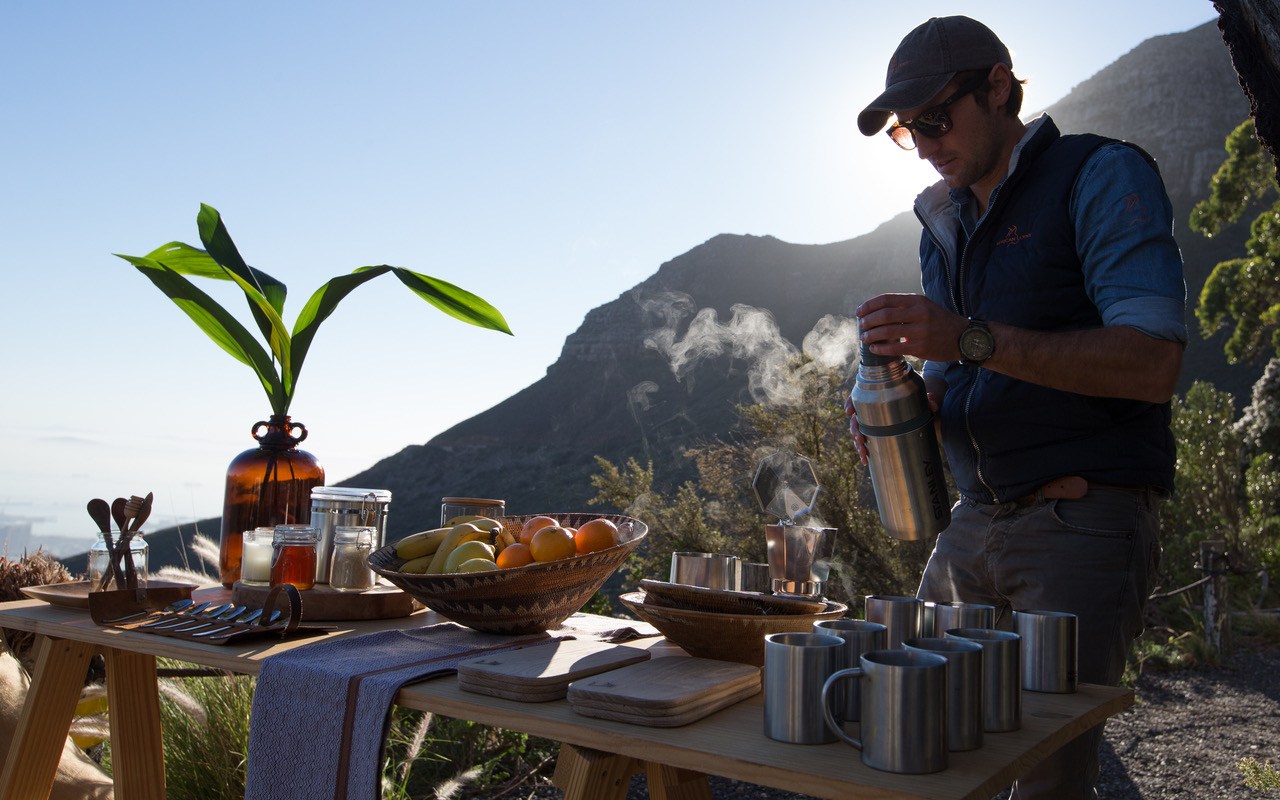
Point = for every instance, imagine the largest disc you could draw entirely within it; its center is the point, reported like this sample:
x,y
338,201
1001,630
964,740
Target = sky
x,y
546,156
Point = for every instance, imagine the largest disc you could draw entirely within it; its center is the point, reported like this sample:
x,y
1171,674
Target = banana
x,y
422,543
417,566
462,532
505,538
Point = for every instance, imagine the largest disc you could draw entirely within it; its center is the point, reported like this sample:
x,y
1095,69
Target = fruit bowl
x,y
517,600
727,637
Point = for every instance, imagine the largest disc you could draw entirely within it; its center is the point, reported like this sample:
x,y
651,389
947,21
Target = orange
x,y
598,534
551,544
514,555
532,526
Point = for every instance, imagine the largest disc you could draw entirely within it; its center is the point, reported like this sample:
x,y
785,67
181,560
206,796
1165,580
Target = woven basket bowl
x,y
528,599
727,637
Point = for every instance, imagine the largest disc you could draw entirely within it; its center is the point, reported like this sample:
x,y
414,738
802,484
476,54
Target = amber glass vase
x,y
266,486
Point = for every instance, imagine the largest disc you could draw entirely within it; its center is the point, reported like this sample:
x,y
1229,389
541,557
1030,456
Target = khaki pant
x,y
1095,557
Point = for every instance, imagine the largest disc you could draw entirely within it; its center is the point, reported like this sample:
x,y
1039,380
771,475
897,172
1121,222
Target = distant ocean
x,y
60,531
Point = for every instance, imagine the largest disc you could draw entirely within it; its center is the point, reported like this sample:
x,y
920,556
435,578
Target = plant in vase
x,y
271,484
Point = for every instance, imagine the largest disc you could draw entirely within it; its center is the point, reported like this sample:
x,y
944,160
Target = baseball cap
x,y
926,60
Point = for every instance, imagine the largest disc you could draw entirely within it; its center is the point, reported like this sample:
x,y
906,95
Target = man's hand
x,y
910,325
860,441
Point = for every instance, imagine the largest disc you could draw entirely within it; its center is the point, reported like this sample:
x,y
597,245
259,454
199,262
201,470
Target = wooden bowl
x,y
728,637
528,599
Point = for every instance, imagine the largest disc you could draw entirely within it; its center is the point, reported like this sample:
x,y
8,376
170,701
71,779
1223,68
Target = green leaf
x,y
452,300
217,241
220,326
318,308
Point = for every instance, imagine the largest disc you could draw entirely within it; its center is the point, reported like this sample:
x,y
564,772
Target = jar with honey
x,y
293,556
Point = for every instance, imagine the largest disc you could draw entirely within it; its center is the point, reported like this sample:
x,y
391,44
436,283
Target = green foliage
x,y
719,513
1243,291
1259,776
220,260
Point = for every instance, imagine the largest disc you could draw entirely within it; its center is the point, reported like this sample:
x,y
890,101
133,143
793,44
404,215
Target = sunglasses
x,y
932,123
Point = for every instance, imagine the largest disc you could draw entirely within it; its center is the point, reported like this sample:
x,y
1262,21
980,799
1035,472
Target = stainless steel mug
x,y
799,558
959,615
859,637
904,710
796,666
755,577
964,687
900,615
1001,676
1049,650
709,570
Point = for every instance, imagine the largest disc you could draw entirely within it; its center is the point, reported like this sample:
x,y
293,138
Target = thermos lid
x,y
872,360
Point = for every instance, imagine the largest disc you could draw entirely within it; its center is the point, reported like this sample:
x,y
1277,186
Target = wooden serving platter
x,y
725,601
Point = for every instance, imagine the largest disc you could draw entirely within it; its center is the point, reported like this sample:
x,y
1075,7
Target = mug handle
x,y
836,728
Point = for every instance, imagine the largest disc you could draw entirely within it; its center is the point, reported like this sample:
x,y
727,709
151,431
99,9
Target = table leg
x,y
670,783
584,774
137,748
41,733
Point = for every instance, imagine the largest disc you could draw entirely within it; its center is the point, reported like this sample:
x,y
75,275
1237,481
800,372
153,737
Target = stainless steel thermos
x,y
906,466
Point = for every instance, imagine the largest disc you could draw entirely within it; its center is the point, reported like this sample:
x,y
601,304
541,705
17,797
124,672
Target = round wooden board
x,y
322,603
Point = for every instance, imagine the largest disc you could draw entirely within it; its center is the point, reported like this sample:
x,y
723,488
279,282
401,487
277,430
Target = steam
x,y
751,336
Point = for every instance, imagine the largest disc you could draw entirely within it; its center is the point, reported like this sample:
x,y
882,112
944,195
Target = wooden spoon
x,y
101,513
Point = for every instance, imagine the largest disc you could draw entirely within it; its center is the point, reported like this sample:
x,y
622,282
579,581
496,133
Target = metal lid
x,y
785,485
350,493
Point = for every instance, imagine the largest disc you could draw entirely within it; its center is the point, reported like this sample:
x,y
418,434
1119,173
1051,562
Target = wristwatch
x,y
976,343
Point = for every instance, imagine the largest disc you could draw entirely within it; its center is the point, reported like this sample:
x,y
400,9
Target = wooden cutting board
x,y
664,684
664,692
543,672
322,603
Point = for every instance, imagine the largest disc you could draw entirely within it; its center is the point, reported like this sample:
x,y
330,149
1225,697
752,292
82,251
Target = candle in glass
x,y
255,563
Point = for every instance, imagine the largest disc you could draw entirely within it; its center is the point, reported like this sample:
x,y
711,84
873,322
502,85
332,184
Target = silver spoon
x,y
177,605
245,619
181,618
226,616
271,621
210,617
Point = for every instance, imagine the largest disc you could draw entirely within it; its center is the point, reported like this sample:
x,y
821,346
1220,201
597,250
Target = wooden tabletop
x,y
730,743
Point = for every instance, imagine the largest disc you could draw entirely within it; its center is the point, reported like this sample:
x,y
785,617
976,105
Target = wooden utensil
x,y
664,692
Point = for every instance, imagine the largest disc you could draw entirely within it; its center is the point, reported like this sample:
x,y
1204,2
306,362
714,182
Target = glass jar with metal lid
x,y
334,506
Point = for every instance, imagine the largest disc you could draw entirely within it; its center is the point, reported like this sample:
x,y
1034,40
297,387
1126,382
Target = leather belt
x,y
1073,487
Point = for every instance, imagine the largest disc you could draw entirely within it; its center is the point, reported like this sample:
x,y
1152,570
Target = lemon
x,y
476,565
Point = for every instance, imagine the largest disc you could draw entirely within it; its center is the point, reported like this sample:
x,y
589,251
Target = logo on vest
x,y
1012,236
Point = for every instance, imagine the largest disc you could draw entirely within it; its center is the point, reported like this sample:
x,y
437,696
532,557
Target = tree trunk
x,y
1251,29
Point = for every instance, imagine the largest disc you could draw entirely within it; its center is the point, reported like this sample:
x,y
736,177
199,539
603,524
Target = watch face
x,y
976,344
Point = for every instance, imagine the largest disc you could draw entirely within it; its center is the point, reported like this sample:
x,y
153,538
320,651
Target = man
x,y
1052,329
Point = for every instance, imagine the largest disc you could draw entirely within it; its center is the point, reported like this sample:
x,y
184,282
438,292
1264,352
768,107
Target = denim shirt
x,y
1123,219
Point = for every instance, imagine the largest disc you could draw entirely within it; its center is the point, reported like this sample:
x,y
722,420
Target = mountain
x,y
663,365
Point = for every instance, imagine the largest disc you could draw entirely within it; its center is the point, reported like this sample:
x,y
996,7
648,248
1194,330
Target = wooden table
x,y
730,743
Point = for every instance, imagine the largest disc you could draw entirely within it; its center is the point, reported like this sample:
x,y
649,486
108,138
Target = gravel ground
x,y
1180,741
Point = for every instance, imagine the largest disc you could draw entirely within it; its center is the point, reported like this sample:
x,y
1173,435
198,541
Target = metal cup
x,y
710,570
959,615
964,687
859,637
1001,676
755,577
796,666
904,710
1049,650
901,615
799,558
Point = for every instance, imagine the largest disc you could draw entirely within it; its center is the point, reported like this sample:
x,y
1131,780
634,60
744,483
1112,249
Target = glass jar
x,y
336,506
349,568
98,558
268,485
293,556
255,560
453,507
